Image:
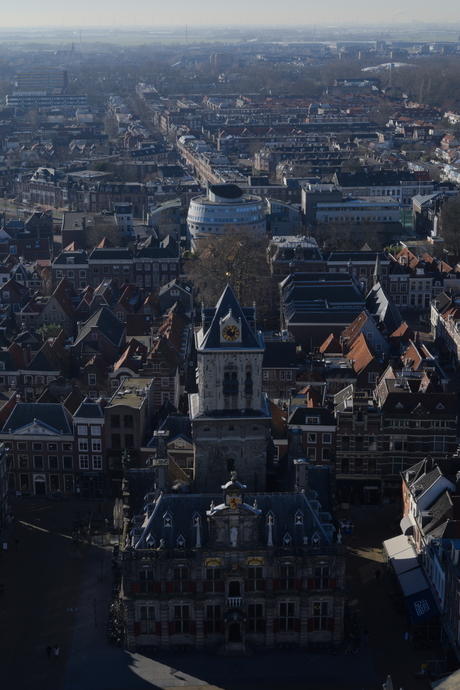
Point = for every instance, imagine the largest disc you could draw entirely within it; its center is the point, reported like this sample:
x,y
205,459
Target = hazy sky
x,y
294,12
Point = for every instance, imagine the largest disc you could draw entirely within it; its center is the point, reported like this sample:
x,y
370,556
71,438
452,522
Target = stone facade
x,y
229,414
233,572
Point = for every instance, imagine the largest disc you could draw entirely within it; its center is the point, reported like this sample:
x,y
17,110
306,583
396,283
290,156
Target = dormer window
x,y
151,541
315,540
298,518
287,539
180,541
167,519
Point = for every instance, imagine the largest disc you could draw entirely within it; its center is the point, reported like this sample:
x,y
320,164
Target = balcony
x,y
234,602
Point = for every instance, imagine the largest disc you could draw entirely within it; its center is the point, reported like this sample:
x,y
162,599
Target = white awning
x,y
396,545
401,554
413,581
407,526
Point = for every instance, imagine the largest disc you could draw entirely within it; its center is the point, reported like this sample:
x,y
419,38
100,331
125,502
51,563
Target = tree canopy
x,y
450,224
240,259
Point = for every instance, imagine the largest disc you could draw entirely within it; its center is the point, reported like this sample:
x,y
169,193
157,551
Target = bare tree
x,y
100,227
239,258
450,224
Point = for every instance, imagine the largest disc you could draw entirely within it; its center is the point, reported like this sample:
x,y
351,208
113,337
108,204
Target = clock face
x,y
231,333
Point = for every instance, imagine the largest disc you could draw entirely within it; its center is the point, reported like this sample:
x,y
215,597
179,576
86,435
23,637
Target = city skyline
x,y
53,14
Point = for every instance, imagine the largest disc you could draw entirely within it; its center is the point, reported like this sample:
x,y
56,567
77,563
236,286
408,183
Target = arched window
x,y
248,385
230,385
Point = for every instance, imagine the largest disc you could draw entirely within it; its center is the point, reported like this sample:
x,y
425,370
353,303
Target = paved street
x,y
42,583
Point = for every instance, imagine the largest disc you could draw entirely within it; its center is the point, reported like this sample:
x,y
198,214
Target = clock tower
x,y
229,414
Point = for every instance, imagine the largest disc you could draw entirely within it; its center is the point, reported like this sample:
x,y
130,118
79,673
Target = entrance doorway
x,y
234,632
40,485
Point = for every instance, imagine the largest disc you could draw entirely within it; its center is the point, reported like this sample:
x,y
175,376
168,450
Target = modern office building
x,y
224,206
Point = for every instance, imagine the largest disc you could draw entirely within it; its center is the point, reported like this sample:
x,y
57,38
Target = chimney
x,y
301,474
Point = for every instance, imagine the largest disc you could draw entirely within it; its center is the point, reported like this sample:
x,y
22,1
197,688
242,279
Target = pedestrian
x,y
48,651
366,635
16,543
56,651
377,575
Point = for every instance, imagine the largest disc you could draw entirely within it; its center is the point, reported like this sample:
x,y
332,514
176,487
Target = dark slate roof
x,y
329,316
300,413
429,478
111,254
357,257
439,509
52,416
279,355
106,323
27,338
177,425
284,506
372,179
7,360
211,338
89,409
380,304
43,363
168,248
79,257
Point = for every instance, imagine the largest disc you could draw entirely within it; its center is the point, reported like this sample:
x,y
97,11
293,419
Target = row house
x,y
279,367
102,196
111,263
445,322
102,334
58,308
156,263
30,370
419,419
40,447
94,378
364,325
235,571
366,266
130,364
51,362
311,429
359,465
128,422
73,265
30,275
431,520
150,265
14,296
90,465
164,365
176,327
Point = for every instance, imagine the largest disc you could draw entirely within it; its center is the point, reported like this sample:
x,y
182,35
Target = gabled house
x,y
49,363
39,437
58,309
365,363
14,296
130,363
102,334
90,465
366,326
94,378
